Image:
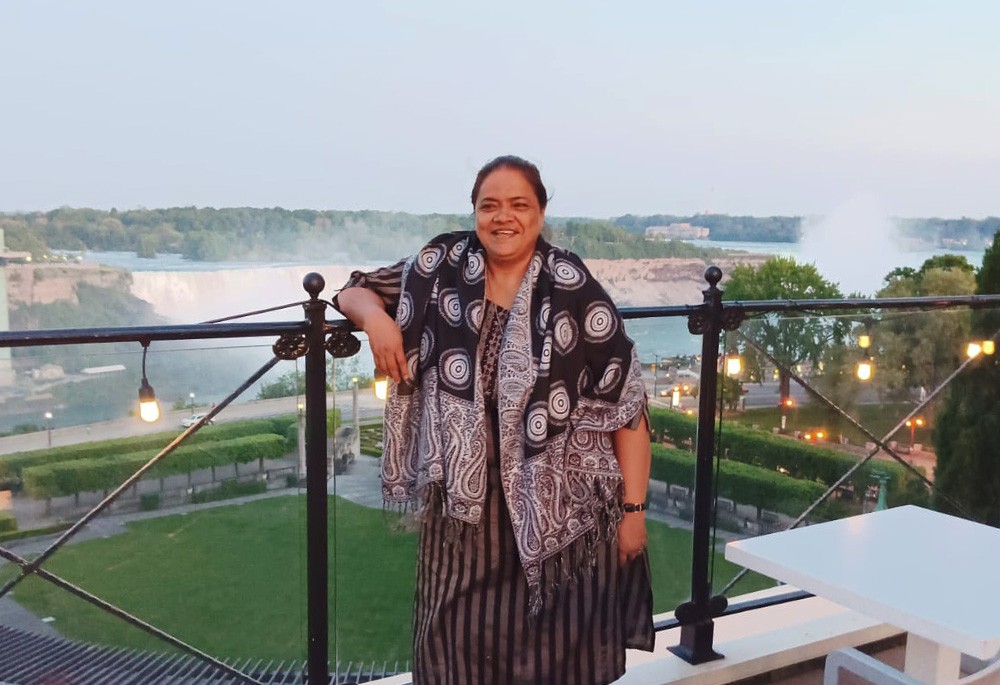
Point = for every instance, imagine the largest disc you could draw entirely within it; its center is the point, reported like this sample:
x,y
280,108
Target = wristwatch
x,y
632,506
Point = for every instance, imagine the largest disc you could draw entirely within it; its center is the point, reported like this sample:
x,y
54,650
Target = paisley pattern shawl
x,y
567,378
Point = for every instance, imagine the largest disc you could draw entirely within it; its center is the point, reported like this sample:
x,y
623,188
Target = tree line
x,y
948,233
276,234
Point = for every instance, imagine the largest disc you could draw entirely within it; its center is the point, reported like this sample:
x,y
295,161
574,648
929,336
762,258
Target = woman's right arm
x,y
366,309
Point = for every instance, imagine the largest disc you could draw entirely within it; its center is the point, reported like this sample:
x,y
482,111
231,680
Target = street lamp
x,y
913,424
356,414
191,397
787,403
301,435
977,347
48,426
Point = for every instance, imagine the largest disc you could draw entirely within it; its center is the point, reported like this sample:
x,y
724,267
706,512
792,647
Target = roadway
x,y
368,407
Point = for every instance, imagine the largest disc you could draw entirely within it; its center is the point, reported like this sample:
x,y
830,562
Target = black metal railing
x,y
314,337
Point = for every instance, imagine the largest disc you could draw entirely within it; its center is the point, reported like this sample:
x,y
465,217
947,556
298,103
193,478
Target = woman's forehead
x,y
504,184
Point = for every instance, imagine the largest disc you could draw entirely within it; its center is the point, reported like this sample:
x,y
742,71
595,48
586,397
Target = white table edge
x,y
981,649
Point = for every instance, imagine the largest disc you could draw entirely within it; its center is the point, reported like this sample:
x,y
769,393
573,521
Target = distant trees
x,y
791,339
208,234
603,240
954,233
779,229
921,349
967,430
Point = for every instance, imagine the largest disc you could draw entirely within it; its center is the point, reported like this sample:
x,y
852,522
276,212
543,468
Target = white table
x,y
933,575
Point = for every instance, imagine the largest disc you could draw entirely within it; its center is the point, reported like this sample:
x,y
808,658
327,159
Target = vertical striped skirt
x,y
471,623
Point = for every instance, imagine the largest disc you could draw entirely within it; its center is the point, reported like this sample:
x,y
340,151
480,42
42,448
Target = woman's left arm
x,y
633,453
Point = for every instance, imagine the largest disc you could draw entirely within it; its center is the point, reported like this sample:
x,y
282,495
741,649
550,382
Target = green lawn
x,y
878,418
231,581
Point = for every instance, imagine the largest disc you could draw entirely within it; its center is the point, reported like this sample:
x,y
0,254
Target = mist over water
x,y
855,245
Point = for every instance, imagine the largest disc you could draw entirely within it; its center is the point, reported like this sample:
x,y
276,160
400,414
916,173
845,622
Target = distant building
x,y
48,372
677,231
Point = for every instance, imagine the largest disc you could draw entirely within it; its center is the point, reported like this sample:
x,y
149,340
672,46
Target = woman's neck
x,y
503,281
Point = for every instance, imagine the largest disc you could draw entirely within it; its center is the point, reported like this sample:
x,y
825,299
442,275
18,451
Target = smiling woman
x,y
516,426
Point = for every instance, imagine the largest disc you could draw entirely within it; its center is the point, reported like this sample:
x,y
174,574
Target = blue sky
x,y
757,107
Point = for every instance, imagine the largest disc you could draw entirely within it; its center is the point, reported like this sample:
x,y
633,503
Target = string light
x,y
381,386
865,368
734,365
149,410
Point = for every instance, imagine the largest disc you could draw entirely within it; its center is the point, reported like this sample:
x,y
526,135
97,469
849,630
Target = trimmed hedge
x,y
228,490
8,522
801,460
12,465
32,532
741,483
107,473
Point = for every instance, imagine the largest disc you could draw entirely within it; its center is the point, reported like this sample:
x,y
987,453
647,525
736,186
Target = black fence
x,y
314,337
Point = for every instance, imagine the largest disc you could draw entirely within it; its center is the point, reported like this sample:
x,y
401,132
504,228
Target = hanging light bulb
x,y
864,341
734,365
973,350
989,347
149,410
865,368
381,386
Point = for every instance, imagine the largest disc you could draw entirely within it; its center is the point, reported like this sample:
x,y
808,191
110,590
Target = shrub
x,y
8,522
12,465
84,475
149,502
32,532
228,490
801,460
741,483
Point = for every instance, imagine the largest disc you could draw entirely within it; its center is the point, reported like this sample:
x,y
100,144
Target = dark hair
x,y
527,169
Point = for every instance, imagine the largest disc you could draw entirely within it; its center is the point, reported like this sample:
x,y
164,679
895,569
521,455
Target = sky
x,y
738,107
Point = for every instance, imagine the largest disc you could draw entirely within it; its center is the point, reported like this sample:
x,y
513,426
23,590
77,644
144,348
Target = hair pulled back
x,y
527,169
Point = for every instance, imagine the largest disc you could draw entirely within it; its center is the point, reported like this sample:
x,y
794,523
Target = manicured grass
x,y
878,418
231,581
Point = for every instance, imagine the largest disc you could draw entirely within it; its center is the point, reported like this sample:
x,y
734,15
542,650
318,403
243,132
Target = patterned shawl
x,y
567,378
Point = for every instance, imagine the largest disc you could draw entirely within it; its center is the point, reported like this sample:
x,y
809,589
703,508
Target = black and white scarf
x,y
567,377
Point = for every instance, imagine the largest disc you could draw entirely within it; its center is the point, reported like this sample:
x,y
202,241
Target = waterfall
x,y
193,296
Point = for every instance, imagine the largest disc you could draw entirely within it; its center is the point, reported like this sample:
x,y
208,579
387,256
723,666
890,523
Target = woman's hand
x,y
631,536
386,342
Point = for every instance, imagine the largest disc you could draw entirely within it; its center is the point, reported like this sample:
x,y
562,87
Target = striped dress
x,y
471,624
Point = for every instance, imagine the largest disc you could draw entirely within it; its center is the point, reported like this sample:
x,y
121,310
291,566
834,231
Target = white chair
x,y
874,671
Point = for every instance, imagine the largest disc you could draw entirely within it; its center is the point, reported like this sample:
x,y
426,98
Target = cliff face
x,y
653,282
29,284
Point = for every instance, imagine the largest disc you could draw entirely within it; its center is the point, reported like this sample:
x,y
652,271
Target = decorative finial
x,y
313,284
713,275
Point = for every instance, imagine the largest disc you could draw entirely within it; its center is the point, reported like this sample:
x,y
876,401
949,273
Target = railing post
x,y
695,616
316,497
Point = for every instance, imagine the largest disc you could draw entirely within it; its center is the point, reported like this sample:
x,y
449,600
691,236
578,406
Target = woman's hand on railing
x,y
386,342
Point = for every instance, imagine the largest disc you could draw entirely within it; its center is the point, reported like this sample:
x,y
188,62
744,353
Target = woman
x,y
516,424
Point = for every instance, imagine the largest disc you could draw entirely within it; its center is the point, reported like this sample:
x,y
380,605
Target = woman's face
x,y
508,216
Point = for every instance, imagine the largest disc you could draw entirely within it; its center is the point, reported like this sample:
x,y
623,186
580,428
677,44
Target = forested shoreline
x,y
266,234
